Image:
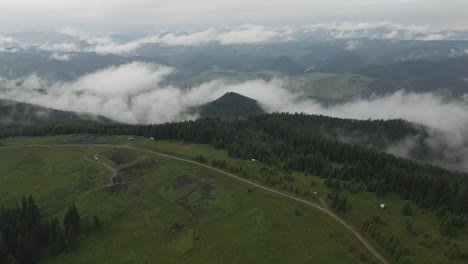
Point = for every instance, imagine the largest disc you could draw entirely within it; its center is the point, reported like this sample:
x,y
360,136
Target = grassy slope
x,y
426,246
137,223
333,86
230,76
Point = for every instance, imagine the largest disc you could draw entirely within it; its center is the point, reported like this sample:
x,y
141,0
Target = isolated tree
x,y
56,238
446,227
407,210
71,222
297,212
342,204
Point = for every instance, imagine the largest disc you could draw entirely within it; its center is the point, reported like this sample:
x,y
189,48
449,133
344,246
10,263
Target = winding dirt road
x,y
323,208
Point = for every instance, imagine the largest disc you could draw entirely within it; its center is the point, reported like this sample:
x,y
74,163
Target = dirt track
x,y
323,208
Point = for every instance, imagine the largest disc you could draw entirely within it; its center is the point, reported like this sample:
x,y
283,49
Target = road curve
x,y
323,209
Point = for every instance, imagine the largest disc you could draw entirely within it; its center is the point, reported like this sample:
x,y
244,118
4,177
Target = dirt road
x,y
323,208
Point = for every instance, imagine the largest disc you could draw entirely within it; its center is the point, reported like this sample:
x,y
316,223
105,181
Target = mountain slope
x,y
15,114
230,106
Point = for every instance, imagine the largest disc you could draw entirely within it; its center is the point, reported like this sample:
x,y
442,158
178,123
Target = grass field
x,y
149,222
425,243
332,86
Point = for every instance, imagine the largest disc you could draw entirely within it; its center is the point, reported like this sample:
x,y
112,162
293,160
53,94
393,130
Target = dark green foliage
x,y
339,202
231,106
200,158
446,226
297,212
342,205
389,243
407,210
56,238
219,164
294,142
23,237
72,221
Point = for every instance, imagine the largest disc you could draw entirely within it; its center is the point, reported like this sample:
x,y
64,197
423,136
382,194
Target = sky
x,y
157,15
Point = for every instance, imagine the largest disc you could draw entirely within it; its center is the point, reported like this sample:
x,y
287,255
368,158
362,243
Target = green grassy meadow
x,y
424,242
147,222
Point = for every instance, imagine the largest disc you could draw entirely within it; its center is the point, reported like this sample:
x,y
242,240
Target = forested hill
x,y
294,142
230,106
14,113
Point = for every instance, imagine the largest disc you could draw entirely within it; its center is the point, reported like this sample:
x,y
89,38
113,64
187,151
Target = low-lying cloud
x,y
135,93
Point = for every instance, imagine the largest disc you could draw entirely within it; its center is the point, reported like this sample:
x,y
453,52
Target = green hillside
x,y
170,211
230,106
342,86
231,76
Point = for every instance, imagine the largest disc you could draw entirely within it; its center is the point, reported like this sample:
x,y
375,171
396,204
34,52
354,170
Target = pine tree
x,y
56,238
71,222
343,204
446,227
407,210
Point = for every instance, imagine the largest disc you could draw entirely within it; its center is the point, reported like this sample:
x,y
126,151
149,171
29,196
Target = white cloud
x,y
6,40
7,44
249,34
353,44
59,57
246,34
138,80
61,47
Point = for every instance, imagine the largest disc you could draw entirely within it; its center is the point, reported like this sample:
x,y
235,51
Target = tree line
x,y
24,238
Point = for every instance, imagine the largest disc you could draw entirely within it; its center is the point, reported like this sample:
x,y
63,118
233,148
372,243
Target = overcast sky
x,y
157,15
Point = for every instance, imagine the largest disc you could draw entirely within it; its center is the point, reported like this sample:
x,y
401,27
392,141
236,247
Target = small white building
x,y
383,206
315,193
253,160
151,138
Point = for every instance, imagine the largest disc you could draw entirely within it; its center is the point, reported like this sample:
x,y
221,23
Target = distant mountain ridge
x,y
14,113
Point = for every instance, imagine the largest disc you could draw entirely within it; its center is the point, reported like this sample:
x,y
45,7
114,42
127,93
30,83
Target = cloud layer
x,y
133,93
79,41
